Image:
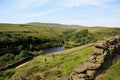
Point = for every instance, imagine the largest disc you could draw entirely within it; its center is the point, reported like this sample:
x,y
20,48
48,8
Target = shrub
x,y
7,57
41,52
31,47
53,55
20,47
17,57
24,54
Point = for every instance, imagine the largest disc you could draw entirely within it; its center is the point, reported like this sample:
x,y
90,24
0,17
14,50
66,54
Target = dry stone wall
x,y
101,58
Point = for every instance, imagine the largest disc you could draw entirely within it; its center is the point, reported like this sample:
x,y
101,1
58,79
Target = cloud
x,y
32,3
46,12
65,4
74,3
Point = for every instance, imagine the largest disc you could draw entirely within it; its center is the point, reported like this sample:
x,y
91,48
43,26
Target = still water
x,y
55,49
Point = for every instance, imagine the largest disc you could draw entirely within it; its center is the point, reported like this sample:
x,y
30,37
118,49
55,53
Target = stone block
x,y
100,45
100,59
66,78
79,69
91,59
91,66
80,77
91,73
98,51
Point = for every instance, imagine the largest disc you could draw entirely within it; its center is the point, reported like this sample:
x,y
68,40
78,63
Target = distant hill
x,y
54,25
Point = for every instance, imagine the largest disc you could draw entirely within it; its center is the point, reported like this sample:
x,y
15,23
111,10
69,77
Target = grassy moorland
x,y
19,41
51,65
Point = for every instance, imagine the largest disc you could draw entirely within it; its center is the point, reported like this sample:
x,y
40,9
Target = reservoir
x,y
55,49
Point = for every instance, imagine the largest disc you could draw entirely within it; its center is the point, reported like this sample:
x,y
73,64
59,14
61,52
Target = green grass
x,y
7,74
59,65
113,73
74,59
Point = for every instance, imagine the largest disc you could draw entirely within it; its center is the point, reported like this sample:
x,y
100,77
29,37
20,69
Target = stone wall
x,y
101,58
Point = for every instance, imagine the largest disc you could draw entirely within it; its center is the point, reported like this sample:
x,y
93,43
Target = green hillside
x,y
19,42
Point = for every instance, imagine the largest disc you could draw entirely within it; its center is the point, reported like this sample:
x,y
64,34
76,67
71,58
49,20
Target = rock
x,y
66,78
79,69
91,59
95,53
20,78
117,38
100,45
91,73
113,41
100,59
80,77
76,78
98,51
91,66
109,42
112,47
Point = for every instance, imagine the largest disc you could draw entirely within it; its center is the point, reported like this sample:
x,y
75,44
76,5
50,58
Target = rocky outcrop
x,y
103,55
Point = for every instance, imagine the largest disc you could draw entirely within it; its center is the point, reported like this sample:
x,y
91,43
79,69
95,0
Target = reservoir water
x,y
55,49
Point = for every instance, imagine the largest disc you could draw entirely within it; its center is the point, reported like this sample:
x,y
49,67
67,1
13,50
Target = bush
x,y
24,54
20,47
79,36
17,57
41,52
7,57
53,56
31,47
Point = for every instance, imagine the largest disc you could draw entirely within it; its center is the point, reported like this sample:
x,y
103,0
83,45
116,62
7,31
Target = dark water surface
x,y
55,49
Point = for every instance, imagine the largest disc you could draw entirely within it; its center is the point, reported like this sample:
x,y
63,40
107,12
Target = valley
x,y
24,49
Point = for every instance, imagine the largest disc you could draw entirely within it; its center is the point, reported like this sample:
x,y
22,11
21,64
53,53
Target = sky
x,y
71,12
